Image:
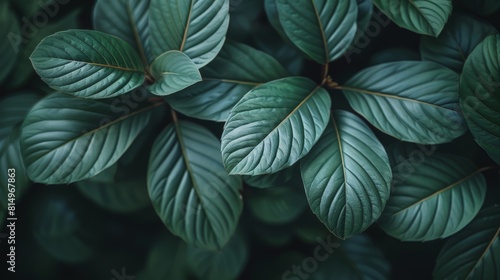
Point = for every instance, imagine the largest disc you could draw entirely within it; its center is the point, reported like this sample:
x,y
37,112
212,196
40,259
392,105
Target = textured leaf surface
x,y
127,19
413,101
9,33
322,29
480,95
195,27
190,190
460,36
173,71
472,253
274,125
421,16
440,197
65,139
88,64
347,176
235,71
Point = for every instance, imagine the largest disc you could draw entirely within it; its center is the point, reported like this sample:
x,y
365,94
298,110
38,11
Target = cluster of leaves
x,y
283,134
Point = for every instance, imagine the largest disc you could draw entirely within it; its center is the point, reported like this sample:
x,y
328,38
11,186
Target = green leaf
x,y
10,34
235,71
127,19
274,125
460,36
278,205
434,198
190,190
482,7
472,253
66,139
276,179
415,101
322,29
173,71
225,264
88,64
195,27
426,17
480,95
393,55
347,176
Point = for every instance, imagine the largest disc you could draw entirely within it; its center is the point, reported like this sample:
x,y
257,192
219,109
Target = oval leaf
x,y
480,95
173,71
347,176
322,29
235,71
472,253
274,126
414,101
196,27
88,64
434,198
421,16
11,37
66,139
189,188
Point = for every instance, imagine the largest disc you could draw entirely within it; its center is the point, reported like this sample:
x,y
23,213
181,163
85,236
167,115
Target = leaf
x,y
456,42
480,95
412,101
434,198
322,29
189,188
9,34
426,17
235,71
126,19
276,179
66,139
274,125
473,252
195,27
347,176
393,55
225,264
88,64
173,71
482,7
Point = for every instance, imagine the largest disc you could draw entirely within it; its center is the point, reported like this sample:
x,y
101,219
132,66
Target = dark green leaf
x,y
235,71
482,7
65,139
195,27
190,190
322,29
11,35
88,64
460,36
421,16
480,95
434,198
415,101
393,55
472,253
276,179
347,176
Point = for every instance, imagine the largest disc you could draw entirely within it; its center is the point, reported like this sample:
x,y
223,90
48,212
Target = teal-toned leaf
x,y
434,198
173,71
322,29
276,179
426,17
460,36
66,139
274,125
347,176
127,19
472,253
224,264
415,101
271,8
190,190
88,64
482,7
480,95
365,10
278,205
235,71
9,45
196,27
